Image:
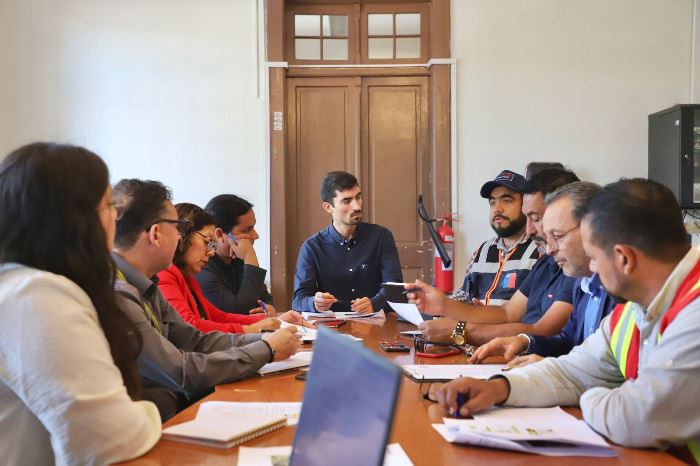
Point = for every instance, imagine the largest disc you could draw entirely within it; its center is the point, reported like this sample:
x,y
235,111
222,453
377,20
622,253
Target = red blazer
x,y
174,286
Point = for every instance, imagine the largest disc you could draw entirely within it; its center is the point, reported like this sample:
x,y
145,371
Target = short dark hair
x,y
336,181
49,196
197,219
226,209
548,180
139,204
579,192
640,213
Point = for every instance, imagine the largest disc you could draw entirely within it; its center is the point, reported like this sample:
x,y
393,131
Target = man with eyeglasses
x,y
542,304
178,363
635,377
561,225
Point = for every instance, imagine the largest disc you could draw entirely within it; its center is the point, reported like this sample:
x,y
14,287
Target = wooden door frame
x,y
277,73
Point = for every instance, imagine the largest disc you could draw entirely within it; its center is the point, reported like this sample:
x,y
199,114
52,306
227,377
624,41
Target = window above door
x,y
357,34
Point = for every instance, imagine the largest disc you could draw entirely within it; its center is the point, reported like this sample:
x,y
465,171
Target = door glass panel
x,y
335,25
380,48
408,24
307,25
380,24
408,47
307,49
335,49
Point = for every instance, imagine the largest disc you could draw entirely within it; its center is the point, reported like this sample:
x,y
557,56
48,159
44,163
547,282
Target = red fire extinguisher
x,y
444,276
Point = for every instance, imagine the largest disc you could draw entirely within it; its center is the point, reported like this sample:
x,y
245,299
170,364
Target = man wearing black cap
x,y
499,266
542,304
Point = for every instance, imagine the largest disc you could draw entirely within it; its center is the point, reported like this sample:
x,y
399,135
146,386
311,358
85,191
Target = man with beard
x,y
635,377
542,304
561,224
500,265
341,267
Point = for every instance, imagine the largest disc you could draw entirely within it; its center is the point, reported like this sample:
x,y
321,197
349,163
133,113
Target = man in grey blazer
x,y
178,363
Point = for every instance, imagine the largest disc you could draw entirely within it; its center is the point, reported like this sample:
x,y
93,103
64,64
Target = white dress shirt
x,y
62,399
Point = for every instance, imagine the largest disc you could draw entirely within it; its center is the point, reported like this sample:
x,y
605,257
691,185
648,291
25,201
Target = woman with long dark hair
x,y
182,291
68,376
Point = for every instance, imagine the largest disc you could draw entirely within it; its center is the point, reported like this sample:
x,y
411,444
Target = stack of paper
x,y
301,359
447,372
543,431
394,456
342,315
223,428
227,410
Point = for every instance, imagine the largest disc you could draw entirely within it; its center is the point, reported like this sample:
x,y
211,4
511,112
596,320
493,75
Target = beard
x,y
513,227
355,218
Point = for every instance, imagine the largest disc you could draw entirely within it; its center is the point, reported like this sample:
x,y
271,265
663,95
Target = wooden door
x,y
396,165
375,128
322,136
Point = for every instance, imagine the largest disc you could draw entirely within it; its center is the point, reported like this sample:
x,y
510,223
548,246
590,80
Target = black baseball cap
x,y
507,178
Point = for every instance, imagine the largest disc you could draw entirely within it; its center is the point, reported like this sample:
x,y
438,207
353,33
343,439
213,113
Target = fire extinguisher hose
x,y
444,256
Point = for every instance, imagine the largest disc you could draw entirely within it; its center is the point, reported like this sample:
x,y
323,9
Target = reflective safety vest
x,y
624,341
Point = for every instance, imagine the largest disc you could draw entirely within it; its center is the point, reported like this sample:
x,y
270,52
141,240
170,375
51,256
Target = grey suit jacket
x,y
176,357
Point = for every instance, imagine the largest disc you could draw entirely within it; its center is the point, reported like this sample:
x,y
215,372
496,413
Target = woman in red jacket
x,y
182,291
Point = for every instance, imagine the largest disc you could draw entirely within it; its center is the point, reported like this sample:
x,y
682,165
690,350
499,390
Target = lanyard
x,y
502,260
146,306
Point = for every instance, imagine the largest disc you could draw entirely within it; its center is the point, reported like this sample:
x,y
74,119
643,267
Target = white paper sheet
x,y
227,410
412,332
451,371
544,431
301,359
306,334
279,456
408,311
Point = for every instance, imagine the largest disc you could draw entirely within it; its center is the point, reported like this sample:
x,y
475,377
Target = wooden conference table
x,y
412,424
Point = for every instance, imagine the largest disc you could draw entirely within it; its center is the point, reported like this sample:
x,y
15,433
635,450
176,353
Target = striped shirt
x,y
496,272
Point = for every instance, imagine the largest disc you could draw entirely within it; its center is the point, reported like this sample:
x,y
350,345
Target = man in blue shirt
x,y
542,304
591,302
342,266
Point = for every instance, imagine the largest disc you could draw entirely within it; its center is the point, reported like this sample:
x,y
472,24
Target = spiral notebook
x,y
219,428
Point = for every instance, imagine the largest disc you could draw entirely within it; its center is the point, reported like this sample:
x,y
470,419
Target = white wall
x,y
561,80
162,89
168,89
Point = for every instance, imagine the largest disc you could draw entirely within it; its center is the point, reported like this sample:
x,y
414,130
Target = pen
x,y
264,308
461,399
505,369
233,238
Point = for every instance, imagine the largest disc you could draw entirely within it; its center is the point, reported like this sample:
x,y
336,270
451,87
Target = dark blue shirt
x,y
347,269
574,332
545,284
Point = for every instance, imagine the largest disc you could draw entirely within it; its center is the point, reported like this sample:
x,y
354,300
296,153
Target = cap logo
x,y
505,176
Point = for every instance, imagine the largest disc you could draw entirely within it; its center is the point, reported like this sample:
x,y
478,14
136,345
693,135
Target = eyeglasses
x,y
210,244
181,224
556,238
429,390
421,345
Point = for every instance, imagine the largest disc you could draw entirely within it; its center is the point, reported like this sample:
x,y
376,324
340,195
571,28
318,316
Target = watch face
x,y
458,339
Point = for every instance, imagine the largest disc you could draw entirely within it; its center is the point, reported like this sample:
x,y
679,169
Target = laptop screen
x,y
348,407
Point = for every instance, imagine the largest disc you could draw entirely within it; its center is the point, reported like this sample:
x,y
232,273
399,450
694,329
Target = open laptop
x,y
349,403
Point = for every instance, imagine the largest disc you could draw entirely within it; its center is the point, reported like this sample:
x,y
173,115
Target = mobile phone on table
x,y
394,347
330,323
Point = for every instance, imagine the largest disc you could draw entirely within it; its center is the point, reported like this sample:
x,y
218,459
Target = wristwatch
x,y
459,334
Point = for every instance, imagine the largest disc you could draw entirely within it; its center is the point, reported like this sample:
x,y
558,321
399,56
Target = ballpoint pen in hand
x,y
264,308
461,399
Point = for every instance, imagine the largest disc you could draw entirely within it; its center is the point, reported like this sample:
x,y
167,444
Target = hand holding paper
x,y
409,312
